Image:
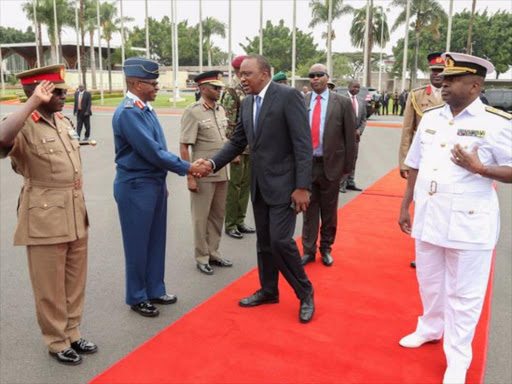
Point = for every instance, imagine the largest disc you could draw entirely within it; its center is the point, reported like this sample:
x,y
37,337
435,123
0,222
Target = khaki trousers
x,y
58,273
208,211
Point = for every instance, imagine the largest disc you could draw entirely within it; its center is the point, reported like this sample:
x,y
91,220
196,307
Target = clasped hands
x,y
200,168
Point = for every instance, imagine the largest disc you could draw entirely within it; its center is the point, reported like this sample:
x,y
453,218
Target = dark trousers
x,y
82,119
350,178
142,206
395,109
277,250
385,108
239,189
323,206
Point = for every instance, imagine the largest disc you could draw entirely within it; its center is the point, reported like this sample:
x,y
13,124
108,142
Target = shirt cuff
x,y
214,166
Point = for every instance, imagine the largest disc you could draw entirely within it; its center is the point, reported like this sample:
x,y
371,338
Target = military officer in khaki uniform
x,y
52,218
418,101
203,127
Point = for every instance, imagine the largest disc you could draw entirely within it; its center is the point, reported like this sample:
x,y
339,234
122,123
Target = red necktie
x,y
354,103
315,124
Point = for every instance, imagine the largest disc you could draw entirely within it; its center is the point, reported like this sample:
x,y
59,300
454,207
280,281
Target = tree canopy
x,y
10,35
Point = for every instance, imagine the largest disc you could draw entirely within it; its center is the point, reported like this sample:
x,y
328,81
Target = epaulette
x,y
419,88
499,112
66,118
434,107
128,103
35,116
139,104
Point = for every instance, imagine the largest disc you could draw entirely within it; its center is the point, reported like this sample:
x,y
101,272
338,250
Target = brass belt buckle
x,y
433,187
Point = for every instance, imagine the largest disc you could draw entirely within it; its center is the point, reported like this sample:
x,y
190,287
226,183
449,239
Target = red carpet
x,y
365,303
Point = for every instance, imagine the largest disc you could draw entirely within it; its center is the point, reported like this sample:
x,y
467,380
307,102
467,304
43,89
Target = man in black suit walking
x,y
274,123
82,111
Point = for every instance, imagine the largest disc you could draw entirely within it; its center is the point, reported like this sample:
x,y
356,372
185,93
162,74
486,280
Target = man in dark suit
x,y
82,111
359,108
332,121
273,122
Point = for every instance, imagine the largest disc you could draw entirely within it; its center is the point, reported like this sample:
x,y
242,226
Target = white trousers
x,y
452,284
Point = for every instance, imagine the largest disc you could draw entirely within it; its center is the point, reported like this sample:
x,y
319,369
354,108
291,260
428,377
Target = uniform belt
x,y
318,159
433,187
77,184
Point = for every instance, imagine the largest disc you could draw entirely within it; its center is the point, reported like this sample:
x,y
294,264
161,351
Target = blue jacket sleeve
x,y
133,127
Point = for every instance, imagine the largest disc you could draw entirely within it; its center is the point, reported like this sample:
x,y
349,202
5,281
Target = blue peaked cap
x,y
141,67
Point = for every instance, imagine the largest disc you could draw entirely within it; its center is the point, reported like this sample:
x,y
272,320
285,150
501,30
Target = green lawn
x,y
162,101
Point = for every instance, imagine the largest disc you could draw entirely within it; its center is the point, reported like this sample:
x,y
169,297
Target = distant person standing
x,y
396,103
385,103
483,98
305,91
331,85
82,111
280,78
403,100
377,98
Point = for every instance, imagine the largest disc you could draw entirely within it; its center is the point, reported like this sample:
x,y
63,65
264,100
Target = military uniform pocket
x,y
470,221
47,215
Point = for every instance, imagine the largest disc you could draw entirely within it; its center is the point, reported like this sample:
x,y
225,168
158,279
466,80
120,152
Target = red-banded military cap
x,y
462,64
435,60
237,61
54,73
210,77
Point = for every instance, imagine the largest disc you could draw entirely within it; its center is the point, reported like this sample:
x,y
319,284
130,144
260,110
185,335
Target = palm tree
x,y
44,9
378,24
320,13
425,15
211,27
110,24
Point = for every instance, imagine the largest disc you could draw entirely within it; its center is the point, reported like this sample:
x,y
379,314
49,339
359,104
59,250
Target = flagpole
x,y
36,29
406,44
261,28
366,44
100,50
122,41
449,33
78,42
2,72
230,50
329,39
294,42
147,30
56,30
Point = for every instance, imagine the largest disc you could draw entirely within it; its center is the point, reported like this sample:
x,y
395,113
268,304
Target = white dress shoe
x,y
413,341
454,375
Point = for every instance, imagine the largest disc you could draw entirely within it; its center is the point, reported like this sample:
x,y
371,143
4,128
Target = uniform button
x,y
76,170
435,169
451,122
45,205
69,150
443,145
465,147
60,131
471,212
76,194
51,150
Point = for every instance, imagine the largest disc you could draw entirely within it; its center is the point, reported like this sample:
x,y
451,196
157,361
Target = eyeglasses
x,y
312,75
153,83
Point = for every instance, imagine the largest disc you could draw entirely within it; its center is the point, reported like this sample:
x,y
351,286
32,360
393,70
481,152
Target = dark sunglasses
x,y
153,83
312,75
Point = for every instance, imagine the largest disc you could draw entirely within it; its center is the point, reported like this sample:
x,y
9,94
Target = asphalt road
x,y
118,330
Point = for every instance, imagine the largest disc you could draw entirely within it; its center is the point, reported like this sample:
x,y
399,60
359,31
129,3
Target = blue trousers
x,y
142,206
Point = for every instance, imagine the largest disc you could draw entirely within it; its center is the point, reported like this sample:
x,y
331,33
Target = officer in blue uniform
x,y
140,189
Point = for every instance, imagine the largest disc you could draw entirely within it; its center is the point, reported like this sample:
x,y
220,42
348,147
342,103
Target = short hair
x,y
352,82
262,61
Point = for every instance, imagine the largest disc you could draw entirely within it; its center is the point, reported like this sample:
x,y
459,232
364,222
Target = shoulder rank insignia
x,y
35,116
434,107
139,104
428,90
471,132
128,103
499,112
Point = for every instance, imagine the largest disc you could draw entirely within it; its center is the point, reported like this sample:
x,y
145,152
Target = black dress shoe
x,y
343,189
67,356
234,233
307,258
413,264
353,187
245,229
258,298
165,299
327,259
145,309
221,262
307,309
84,347
205,268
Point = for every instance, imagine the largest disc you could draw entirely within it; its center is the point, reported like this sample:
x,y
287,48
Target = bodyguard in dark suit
x,y
332,121
82,111
273,122
140,190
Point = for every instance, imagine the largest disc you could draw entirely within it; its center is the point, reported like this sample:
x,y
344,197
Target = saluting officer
x,y
203,128
239,184
140,187
52,218
459,150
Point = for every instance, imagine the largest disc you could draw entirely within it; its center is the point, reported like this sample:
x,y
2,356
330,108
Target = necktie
x,y
354,103
258,107
315,124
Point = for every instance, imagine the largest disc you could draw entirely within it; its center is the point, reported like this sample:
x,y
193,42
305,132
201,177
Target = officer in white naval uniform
x,y
460,148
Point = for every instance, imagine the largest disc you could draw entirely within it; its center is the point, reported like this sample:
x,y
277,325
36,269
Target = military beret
x,y
435,60
279,76
462,64
237,61
330,82
141,67
54,73
210,77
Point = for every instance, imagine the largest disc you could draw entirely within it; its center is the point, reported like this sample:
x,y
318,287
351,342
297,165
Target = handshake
x,y
200,168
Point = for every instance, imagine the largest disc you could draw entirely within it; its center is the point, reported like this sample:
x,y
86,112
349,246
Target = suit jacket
x,y
86,103
361,113
339,139
281,150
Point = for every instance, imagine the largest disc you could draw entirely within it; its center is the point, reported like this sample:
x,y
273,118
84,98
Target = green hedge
x,y
8,97
71,99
